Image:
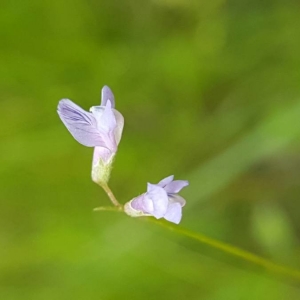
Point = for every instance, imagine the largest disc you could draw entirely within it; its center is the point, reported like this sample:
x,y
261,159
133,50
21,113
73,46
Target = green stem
x,y
235,251
110,194
109,208
227,248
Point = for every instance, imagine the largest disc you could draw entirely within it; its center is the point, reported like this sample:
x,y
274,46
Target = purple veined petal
x,y
174,213
174,198
159,198
165,181
142,203
80,123
175,186
107,94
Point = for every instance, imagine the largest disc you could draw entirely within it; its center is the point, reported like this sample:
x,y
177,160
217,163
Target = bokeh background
x,y
210,92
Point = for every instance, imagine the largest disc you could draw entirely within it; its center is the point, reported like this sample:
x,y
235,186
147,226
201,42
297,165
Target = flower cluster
x,y
101,128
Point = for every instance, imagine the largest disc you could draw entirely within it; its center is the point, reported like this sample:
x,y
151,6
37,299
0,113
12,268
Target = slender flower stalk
x,y
110,195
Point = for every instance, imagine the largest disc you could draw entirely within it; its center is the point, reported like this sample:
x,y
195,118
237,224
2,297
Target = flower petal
x,y
174,198
174,213
101,153
165,181
80,123
107,94
159,198
142,203
175,186
107,120
119,127
106,124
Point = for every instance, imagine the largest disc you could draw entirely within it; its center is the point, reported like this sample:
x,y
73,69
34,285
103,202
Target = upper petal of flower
x,y
80,123
175,186
174,213
159,198
107,94
165,181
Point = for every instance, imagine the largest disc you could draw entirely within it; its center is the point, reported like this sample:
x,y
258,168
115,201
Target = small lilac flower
x,y
160,200
100,128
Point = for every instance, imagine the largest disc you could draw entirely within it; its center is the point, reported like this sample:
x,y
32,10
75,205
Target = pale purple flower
x,y
160,200
100,128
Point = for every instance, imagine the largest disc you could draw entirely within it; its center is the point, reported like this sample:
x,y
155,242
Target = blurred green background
x,y
210,92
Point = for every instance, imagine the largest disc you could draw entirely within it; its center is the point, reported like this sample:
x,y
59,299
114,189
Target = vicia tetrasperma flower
x,y
160,200
100,128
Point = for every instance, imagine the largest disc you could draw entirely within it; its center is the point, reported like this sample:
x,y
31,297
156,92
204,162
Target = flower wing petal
x,y
176,186
174,198
174,213
165,181
81,124
159,198
107,94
